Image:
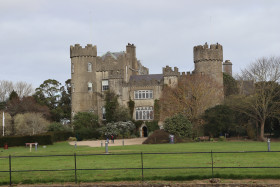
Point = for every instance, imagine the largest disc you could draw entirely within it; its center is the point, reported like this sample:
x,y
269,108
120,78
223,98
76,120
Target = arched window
x,y
89,67
89,86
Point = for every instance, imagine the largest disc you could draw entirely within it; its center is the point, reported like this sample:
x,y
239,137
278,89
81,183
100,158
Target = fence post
x,y
212,163
10,169
75,168
142,166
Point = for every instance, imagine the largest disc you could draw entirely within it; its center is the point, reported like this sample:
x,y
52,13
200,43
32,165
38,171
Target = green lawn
x,y
150,161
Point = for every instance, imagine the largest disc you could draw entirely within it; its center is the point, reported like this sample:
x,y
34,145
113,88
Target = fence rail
x,y
142,168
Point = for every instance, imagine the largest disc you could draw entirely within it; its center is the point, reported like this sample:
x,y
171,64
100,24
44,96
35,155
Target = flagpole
x,y
3,124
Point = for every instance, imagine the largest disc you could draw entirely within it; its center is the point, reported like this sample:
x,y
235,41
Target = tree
x,y
115,112
56,97
230,85
30,124
85,120
264,102
219,120
48,93
6,87
23,89
178,125
191,97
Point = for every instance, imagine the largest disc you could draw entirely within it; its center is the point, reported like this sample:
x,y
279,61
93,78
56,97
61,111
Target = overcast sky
x,y
35,35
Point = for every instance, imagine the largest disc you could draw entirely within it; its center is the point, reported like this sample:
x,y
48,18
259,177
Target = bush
x,y
87,133
178,125
159,137
43,139
152,126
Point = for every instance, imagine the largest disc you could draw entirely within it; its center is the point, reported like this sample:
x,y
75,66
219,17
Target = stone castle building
x,y
121,72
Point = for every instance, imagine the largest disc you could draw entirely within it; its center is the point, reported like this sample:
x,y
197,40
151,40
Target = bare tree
x,y
23,89
6,87
191,97
30,124
264,102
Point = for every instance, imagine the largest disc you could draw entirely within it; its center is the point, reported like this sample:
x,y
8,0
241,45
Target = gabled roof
x,y
114,55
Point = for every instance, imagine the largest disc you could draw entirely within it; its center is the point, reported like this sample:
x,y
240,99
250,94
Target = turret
x,y
227,67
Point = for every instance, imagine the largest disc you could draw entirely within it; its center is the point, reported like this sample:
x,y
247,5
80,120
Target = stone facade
x,y
122,73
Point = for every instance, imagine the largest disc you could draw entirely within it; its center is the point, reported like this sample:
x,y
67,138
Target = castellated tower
x,y
208,61
83,65
227,67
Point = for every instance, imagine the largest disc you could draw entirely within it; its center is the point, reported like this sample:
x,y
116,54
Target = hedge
x,y
43,139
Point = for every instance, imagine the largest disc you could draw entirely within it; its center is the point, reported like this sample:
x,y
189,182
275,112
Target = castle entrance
x,y
144,131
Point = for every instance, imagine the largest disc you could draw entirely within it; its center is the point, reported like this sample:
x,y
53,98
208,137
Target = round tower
x,y
208,61
83,78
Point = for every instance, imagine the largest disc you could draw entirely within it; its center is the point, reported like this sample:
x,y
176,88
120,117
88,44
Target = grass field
x,y
267,159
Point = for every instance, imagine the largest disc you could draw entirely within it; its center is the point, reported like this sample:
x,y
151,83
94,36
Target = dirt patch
x,y
199,183
117,142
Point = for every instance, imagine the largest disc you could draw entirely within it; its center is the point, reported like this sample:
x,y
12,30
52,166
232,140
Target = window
x,y
144,113
90,87
105,85
89,67
103,113
73,87
143,94
72,67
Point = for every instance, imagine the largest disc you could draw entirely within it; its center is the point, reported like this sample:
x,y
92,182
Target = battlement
x,y
204,53
77,50
167,71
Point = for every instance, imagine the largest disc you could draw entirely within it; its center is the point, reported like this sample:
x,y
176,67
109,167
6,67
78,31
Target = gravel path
x,y
118,142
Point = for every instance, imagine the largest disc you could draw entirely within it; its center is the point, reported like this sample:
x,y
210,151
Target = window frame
x,y
104,85
143,94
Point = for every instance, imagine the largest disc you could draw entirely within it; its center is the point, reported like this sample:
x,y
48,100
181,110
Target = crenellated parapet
x,y
77,51
204,53
168,71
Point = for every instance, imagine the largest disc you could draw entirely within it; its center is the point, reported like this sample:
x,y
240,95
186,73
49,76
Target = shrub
x,y
178,125
87,133
161,136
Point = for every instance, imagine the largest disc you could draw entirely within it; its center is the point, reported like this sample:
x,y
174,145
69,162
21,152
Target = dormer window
x,y
89,67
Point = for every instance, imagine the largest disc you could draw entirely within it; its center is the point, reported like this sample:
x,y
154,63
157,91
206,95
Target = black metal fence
x,y
142,168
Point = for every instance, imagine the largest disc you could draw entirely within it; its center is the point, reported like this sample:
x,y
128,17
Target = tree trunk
x,y
262,131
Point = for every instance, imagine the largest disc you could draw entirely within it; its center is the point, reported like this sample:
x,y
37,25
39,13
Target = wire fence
x,y
137,159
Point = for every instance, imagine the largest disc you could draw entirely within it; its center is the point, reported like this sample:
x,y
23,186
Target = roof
x,y
115,55
157,77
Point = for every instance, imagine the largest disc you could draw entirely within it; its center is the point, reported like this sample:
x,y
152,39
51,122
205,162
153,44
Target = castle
x,y
122,73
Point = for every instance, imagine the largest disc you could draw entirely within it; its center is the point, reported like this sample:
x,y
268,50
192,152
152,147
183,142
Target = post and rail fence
x,y
142,168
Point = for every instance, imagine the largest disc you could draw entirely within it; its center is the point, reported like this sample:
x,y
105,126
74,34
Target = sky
x,y
35,35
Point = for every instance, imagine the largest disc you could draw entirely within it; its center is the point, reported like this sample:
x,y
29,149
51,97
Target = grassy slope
x,y
134,161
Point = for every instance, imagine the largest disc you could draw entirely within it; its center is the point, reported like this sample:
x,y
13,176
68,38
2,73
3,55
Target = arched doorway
x,y
144,131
